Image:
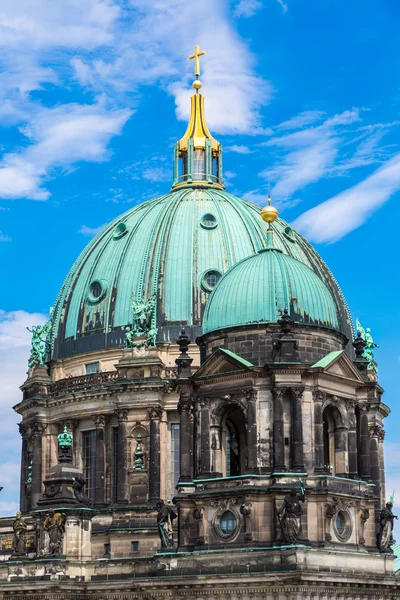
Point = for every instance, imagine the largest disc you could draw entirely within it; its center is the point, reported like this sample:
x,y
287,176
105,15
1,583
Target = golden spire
x,y
269,213
197,129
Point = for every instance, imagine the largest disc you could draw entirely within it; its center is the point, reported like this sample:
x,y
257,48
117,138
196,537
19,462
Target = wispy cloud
x,y
285,7
334,218
60,137
238,149
306,117
4,237
90,231
247,8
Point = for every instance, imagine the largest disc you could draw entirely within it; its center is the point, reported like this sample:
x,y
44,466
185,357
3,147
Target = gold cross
x,y
196,56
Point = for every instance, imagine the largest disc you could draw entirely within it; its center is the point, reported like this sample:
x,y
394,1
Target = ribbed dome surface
x,y
175,246
256,289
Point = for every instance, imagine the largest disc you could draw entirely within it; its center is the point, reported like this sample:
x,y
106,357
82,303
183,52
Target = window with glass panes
x,y
92,368
89,461
175,455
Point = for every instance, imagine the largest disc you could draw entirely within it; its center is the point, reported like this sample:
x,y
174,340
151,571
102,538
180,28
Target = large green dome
x,y
176,246
260,287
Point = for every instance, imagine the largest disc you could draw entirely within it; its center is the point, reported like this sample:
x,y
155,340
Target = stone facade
x,y
252,433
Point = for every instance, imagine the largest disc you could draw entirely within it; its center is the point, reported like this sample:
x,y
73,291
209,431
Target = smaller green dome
x,y
257,288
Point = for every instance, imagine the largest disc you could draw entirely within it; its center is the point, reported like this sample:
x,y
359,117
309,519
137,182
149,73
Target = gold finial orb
x,y
269,214
197,84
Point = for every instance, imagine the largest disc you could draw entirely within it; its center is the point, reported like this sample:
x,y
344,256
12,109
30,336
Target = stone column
x,y
251,431
122,456
278,434
185,409
297,430
375,432
382,467
38,429
365,461
155,414
319,398
352,440
205,457
23,503
100,423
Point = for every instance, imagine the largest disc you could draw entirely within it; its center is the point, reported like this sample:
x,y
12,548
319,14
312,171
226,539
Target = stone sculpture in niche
x,y
290,514
165,517
384,539
54,525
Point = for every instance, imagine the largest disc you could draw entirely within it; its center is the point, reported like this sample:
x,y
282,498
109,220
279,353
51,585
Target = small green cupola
x,y
259,288
197,156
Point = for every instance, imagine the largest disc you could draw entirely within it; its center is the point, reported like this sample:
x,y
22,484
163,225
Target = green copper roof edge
x,y
325,361
243,361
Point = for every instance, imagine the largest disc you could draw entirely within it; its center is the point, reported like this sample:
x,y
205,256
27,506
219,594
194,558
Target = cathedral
x,y
200,417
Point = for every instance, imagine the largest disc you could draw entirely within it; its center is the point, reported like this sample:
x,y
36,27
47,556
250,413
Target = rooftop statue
x,y
54,524
385,535
40,344
141,324
165,517
365,334
19,539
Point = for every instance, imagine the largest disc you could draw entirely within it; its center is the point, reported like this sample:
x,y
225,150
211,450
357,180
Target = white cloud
x,y
157,174
247,8
14,353
153,48
306,117
306,154
238,149
284,5
60,137
4,237
336,217
90,231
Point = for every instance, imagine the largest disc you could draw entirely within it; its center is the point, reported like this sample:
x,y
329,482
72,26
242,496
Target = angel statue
x,y
142,310
365,334
40,344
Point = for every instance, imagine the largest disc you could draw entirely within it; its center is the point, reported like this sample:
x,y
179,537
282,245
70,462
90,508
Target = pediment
x,y
339,364
222,361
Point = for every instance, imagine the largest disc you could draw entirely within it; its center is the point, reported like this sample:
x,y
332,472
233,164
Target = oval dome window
x,y
97,291
120,230
208,221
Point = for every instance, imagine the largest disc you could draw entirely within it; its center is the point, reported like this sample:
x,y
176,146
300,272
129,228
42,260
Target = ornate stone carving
x,y
185,404
337,504
377,431
224,504
70,424
318,396
249,395
364,516
198,516
23,430
245,511
38,428
155,412
122,414
40,344
278,393
142,332
297,392
202,402
99,420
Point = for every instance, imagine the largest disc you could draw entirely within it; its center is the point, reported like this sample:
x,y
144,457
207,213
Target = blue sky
x,y
302,94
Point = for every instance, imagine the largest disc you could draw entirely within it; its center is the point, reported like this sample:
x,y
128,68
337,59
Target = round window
x,y
289,234
208,221
228,523
210,279
97,291
120,230
342,525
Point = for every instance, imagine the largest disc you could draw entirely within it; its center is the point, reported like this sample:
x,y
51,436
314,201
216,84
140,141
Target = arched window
x,y
335,436
232,450
233,442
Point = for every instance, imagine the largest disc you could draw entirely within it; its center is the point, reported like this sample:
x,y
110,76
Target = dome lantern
x,y
198,156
